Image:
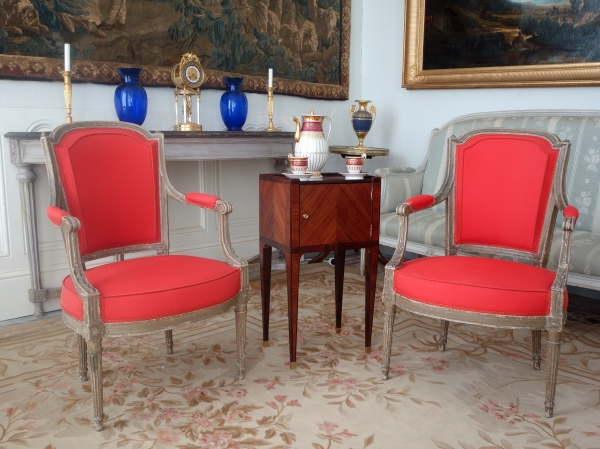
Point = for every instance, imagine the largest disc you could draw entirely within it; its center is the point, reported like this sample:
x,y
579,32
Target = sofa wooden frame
x,y
92,329
553,323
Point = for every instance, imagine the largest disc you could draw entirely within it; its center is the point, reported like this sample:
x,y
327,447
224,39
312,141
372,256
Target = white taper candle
x,y
270,77
67,57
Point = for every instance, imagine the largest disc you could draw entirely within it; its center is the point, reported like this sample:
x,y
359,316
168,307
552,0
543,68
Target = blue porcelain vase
x,y
131,101
234,104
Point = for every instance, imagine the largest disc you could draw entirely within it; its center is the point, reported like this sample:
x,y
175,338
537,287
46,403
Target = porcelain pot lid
x,y
312,117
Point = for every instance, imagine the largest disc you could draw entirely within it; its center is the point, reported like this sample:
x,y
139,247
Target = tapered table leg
x,y
266,252
370,288
293,278
340,261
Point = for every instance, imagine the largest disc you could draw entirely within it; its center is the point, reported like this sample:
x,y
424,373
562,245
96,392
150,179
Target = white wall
x,y
35,106
405,118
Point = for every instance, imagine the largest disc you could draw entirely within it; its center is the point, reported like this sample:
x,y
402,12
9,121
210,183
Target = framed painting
x,y
305,42
501,43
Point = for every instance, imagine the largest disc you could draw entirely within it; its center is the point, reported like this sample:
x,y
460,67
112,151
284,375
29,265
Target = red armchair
x,y
108,194
503,189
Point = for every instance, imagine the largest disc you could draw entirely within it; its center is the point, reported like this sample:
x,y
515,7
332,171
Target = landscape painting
x,y
484,43
305,42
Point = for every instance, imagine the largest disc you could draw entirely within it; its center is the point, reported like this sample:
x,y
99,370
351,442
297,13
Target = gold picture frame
x,y
542,75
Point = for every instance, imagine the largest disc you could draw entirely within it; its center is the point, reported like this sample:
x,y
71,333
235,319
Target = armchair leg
x,y
169,341
536,343
82,349
389,314
443,335
240,334
553,340
95,353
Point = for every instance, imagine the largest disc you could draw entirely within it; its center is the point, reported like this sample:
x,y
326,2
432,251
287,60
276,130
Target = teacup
x,y
299,165
354,164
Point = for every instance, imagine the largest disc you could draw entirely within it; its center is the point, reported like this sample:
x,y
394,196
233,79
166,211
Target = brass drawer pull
x,y
305,215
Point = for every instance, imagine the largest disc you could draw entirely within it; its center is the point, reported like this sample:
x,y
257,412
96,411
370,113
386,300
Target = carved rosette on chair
x,y
108,194
503,189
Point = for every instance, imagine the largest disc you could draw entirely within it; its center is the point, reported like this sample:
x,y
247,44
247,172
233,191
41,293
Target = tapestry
x,y
305,42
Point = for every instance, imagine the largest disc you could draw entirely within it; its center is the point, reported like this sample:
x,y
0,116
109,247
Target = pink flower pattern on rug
x,y
481,393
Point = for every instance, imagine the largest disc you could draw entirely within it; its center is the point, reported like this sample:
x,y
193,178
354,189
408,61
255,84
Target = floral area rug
x,y
482,393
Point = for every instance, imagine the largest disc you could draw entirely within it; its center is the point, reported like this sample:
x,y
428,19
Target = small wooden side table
x,y
334,214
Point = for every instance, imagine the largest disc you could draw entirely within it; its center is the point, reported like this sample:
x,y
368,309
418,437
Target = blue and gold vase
x,y
131,101
362,120
234,104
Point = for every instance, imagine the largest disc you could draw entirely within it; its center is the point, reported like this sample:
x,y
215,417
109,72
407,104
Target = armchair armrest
x,y
202,200
56,214
223,209
93,330
556,317
398,184
416,203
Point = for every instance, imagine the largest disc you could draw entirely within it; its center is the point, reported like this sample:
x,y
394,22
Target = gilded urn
x,y
311,141
362,120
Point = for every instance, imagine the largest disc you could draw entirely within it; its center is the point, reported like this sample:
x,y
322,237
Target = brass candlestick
x,y
271,128
68,94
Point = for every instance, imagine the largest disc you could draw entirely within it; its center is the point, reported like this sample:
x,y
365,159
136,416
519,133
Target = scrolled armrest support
x,y
224,208
555,319
93,327
411,205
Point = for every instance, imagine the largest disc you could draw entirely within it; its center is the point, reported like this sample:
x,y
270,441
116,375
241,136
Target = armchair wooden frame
x,y
92,329
552,323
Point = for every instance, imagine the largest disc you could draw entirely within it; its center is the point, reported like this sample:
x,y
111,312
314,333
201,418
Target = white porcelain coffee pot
x,y
311,141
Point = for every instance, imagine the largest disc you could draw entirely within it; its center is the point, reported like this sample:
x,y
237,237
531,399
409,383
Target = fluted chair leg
x,y
169,341
443,335
240,333
389,314
536,347
82,350
95,353
553,340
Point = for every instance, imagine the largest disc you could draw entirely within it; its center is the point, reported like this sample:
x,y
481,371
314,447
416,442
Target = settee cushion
x,y
427,227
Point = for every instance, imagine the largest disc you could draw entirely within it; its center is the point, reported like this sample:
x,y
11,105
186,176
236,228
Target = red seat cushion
x,y
477,284
155,287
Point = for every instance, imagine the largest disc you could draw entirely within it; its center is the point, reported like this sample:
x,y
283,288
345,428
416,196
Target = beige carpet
x,y
481,393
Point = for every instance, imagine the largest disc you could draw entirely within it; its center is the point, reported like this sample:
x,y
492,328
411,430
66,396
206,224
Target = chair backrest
x,y
109,176
506,186
581,128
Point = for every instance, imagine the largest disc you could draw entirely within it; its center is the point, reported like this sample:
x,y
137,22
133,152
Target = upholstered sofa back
x,y
581,128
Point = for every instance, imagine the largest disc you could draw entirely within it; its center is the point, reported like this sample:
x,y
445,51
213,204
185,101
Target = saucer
x,y
354,176
300,176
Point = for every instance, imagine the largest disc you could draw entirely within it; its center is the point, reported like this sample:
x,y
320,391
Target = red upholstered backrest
x,y
503,183
110,177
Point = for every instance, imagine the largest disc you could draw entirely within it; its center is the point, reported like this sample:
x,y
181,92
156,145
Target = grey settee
x,y
426,231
